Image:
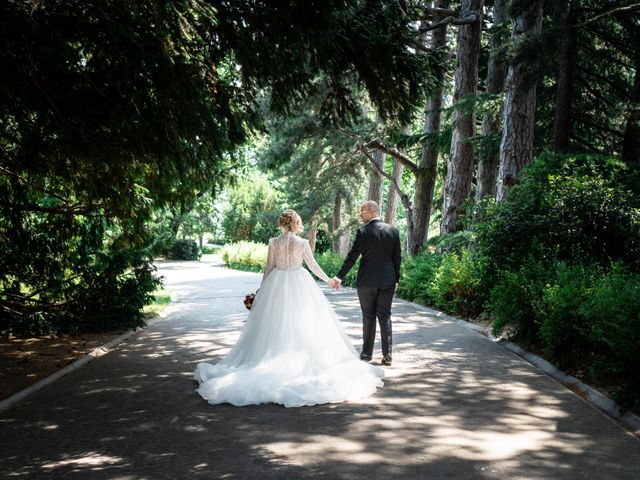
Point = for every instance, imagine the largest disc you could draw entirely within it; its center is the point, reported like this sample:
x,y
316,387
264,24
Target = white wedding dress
x,y
292,350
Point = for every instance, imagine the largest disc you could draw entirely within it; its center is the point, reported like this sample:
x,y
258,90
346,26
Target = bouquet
x,y
248,300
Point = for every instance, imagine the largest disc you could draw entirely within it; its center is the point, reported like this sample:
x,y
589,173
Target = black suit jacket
x,y
379,245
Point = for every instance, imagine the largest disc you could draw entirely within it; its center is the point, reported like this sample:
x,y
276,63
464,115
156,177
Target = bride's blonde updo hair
x,y
290,221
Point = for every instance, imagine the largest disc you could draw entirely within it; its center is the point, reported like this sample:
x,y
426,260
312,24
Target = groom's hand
x,y
335,283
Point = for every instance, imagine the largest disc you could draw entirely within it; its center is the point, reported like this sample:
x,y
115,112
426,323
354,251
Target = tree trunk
x,y
565,81
631,145
404,198
460,166
337,220
313,232
392,199
516,146
376,181
488,162
345,242
428,165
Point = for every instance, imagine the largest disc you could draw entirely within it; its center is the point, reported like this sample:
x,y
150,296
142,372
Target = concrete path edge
x,y
589,394
89,357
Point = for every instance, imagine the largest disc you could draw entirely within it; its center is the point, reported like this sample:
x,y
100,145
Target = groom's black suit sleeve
x,y
397,251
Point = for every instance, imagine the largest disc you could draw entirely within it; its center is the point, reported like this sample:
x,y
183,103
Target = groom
x,y
378,244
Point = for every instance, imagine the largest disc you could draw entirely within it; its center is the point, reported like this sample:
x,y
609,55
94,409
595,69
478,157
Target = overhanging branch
x,y
434,11
403,196
627,8
473,18
394,152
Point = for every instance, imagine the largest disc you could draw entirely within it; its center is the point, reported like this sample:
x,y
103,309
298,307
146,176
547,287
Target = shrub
x,y
208,249
455,285
564,330
248,256
416,275
567,208
612,306
515,301
584,316
116,300
331,263
184,250
453,242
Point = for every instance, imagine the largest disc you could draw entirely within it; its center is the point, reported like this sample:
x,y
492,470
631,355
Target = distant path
x,y
455,405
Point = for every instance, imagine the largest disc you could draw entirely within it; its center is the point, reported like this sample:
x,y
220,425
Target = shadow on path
x,y
454,405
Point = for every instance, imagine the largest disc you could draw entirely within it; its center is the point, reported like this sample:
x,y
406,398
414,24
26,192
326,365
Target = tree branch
x,y
588,123
378,145
619,88
33,185
435,11
403,196
473,18
77,209
594,93
626,8
394,152
584,143
420,47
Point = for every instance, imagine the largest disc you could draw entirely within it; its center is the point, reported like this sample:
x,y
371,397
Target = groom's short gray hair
x,y
371,206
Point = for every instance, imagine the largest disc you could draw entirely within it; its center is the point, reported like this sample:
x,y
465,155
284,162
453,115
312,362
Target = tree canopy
x,y
114,108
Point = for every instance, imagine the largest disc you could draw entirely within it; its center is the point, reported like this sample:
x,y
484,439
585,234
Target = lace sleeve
x,y
271,261
307,255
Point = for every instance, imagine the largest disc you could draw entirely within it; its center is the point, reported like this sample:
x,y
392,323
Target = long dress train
x,y
292,350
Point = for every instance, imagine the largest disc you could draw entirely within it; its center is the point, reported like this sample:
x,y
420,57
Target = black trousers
x,y
376,302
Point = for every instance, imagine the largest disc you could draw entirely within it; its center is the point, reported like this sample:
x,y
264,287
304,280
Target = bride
x,y
292,350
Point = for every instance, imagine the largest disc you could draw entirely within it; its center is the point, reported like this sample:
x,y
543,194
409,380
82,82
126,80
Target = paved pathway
x,y
455,405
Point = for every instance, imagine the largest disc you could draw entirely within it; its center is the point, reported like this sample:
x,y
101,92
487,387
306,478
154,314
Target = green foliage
x,y
208,249
252,210
612,308
416,275
563,329
565,208
453,242
114,110
184,250
455,285
248,256
450,281
331,263
115,300
561,260
55,299
515,301
583,316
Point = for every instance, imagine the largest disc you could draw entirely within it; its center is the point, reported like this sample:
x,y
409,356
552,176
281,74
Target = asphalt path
x,y
455,405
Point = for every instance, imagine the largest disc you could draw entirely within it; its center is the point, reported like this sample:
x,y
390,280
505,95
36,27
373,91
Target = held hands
x,y
335,283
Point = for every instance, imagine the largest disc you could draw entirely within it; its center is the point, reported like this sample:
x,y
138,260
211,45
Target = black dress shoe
x,y
366,358
386,360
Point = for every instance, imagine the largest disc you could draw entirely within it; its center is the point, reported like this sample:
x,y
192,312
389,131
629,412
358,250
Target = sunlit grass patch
x,y
161,300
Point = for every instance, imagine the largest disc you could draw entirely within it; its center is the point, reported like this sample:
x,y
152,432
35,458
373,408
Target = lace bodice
x,y
287,251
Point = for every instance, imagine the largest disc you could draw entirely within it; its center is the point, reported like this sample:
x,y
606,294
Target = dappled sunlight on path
x,y
454,405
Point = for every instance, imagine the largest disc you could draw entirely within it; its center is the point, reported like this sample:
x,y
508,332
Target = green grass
x,y
161,300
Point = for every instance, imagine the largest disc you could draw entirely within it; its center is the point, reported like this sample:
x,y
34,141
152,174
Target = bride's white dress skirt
x,y
292,351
